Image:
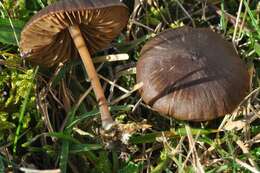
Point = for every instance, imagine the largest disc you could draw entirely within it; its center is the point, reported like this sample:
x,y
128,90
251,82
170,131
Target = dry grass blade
x,y
135,88
82,97
177,149
126,72
225,120
192,146
43,106
27,170
245,165
245,150
251,94
142,25
237,21
255,139
243,22
65,96
235,125
230,18
186,12
114,84
82,133
110,58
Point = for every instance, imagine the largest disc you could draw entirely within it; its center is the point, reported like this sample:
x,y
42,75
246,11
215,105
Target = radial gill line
x,y
68,17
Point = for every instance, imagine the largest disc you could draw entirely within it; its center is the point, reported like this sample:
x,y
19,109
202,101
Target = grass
x,y
56,125
22,111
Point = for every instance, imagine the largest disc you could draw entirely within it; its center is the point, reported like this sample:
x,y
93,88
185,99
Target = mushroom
x,y
191,74
47,39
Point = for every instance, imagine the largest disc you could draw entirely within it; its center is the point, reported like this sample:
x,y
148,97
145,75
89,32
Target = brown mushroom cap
x,y
46,40
191,74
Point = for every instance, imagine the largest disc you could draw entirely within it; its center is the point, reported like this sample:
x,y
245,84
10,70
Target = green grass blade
x,y
2,166
103,163
40,3
64,156
151,137
63,71
254,21
257,49
162,165
133,44
79,148
65,147
9,31
22,111
131,167
115,161
223,20
64,136
95,113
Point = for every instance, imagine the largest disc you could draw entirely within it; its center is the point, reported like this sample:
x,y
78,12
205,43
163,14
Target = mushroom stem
x,y
79,42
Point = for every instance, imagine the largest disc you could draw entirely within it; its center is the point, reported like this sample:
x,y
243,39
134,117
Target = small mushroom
x,y
47,39
191,74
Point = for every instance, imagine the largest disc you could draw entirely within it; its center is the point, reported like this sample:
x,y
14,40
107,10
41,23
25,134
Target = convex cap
x,y
46,40
191,74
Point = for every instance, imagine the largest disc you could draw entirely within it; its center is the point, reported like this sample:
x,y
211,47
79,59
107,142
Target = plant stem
x,y
79,42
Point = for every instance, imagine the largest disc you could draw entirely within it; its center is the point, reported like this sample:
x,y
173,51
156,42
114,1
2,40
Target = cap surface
x,y
46,40
191,74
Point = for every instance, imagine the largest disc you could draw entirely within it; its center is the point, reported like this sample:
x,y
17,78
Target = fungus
x,y
47,39
191,74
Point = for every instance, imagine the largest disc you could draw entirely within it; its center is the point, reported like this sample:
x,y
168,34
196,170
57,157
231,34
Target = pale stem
x,y
80,44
